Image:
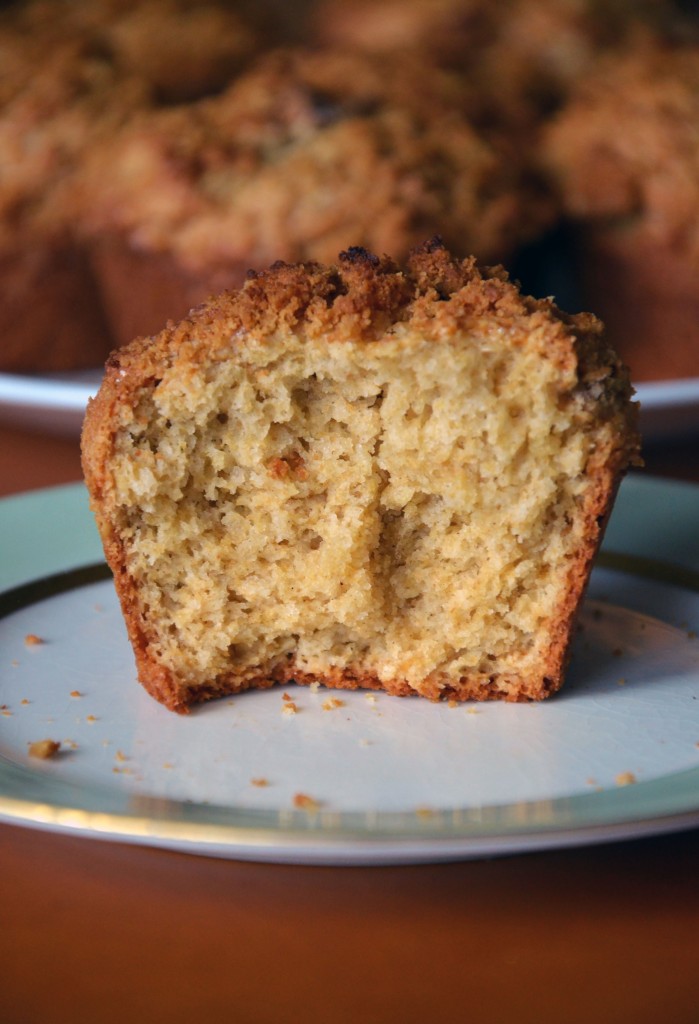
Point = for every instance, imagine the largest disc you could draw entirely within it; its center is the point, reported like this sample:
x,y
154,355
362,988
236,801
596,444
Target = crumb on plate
x,y
425,812
44,749
625,779
304,802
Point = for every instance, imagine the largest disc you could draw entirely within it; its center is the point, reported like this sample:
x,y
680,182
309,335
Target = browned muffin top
x,y
362,298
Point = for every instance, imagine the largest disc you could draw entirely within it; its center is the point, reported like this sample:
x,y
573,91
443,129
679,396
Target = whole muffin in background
x,y
181,49
71,73
50,313
306,153
624,156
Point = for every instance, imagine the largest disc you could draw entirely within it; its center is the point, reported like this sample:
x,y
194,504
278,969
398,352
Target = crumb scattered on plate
x,y
304,802
32,640
76,693
260,783
425,812
44,749
331,703
289,708
625,779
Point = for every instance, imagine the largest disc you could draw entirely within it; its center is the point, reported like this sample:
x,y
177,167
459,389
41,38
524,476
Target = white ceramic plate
x,y
56,403
383,780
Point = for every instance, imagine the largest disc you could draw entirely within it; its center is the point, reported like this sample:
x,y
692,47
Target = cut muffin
x,y
362,476
306,154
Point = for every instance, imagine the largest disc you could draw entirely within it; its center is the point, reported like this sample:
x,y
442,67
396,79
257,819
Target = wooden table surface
x,y
102,932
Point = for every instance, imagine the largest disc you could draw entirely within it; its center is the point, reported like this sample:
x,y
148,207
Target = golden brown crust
x,y
360,298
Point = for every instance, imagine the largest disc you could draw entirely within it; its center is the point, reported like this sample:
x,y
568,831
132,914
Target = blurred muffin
x,y
624,155
306,154
50,315
527,53
70,74
447,29
182,49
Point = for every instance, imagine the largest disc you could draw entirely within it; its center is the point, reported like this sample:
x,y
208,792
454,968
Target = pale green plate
x,y
383,780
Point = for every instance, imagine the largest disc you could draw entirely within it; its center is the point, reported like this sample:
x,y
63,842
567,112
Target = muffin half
x,y
362,475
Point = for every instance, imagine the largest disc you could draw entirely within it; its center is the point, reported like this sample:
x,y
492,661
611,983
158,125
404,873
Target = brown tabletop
x,y
102,932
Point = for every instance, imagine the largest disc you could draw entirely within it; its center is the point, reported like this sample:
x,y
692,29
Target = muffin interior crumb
x,y
387,506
